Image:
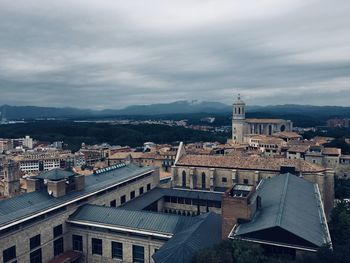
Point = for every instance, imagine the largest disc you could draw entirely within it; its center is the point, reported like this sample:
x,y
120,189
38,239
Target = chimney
x,y
238,204
79,181
33,185
57,188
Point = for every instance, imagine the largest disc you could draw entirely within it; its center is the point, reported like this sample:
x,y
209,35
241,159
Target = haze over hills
x,y
177,107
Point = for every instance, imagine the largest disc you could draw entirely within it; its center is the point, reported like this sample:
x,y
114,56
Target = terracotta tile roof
x,y
247,162
124,155
299,148
276,121
322,140
267,139
331,151
287,135
300,142
150,155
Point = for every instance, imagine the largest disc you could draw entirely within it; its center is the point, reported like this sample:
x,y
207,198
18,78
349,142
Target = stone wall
x,y
44,227
128,240
215,177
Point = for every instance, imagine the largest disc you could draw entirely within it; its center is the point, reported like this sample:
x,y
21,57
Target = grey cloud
x,y
101,55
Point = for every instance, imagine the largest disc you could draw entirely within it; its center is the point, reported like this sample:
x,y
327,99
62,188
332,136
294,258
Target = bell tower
x,y
238,120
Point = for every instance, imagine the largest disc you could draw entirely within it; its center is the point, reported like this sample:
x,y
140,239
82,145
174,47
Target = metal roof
x,y
183,245
132,219
30,204
293,204
187,234
54,174
157,193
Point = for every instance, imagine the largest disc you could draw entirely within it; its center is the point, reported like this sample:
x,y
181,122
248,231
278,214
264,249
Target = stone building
x,y
10,177
241,126
33,226
270,216
163,159
123,213
211,173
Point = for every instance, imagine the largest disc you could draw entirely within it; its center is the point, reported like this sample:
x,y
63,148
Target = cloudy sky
x,y
113,53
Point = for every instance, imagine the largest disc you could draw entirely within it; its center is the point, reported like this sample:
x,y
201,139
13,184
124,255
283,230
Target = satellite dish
x,y
50,192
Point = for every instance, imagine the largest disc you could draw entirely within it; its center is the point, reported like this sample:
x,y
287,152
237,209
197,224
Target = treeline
x,y
74,133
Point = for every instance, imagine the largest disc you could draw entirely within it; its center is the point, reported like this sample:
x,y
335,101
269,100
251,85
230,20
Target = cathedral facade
x,y
243,127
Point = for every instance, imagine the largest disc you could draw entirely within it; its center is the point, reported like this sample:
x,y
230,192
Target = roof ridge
x,y
282,202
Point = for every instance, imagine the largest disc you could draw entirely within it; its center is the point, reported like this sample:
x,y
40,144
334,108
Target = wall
x,y
21,237
126,239
324,180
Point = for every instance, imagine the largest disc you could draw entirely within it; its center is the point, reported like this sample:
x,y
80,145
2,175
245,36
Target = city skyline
x,y
114,54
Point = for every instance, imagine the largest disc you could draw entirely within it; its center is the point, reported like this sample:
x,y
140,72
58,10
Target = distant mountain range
x,y
178,107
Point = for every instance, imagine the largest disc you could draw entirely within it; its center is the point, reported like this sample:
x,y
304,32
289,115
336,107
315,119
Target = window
x,y
138,254
183,179
203,181
58,246
113,203
9,254
132,194
148,187
141,190
57,231
35,256
117,250
34,242
77,242
224,179
122,199
96,246
246,181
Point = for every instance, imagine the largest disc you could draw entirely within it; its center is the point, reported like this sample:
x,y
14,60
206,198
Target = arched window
x,y
203,181
239,110
183,179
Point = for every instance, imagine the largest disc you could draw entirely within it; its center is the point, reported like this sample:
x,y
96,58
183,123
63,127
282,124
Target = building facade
x,y
242,127
210,172
33,226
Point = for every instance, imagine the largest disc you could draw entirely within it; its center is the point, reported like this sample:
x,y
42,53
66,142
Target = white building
x,y
28,142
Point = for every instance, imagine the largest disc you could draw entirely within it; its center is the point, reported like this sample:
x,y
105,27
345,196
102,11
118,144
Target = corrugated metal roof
x,y
131,219
291,203
183,245
155,194
31,203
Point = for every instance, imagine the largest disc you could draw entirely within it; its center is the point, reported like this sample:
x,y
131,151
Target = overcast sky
x,y
111,54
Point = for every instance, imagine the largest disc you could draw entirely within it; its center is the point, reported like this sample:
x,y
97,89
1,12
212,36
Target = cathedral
x,y
242,127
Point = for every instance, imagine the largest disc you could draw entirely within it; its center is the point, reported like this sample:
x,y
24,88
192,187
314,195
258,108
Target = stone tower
x,y
238,121
11,175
